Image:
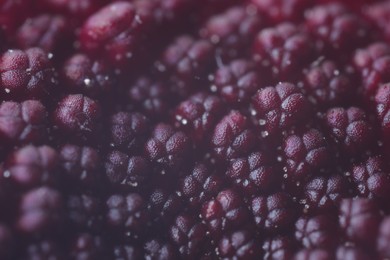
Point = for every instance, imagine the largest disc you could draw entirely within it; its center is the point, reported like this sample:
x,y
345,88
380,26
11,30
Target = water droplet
x,y
253,112
133,184
213,88
285,169
210,77
6,174
285,175
50,55
264,133
184,121
7,90
262,122
87,81
279,158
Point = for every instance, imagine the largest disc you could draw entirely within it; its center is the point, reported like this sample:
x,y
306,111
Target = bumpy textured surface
x,y
22,122
194,129
349,129
327,85
233,136
278,108
253,174
304,154
237,81
185,62
284,48
225,212
76,114
373,63
198,115
32,166
336,28
82,74
47,32
27,73
232,32
274,212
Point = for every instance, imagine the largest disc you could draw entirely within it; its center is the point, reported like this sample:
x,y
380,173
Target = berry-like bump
x,y
323,194
226,212
82,74
326,85
232,32
253,173
278,108
200,185
382,101
40,210
77,114
359,220
189,235
127,213
124,169
279,247
84,211
164,205
373,65
186,62
168,148
113,32
198,115
336,28
233,137
371,179
239,244
22,122
304,154
26,74
285,49
317,232
349,129
237,81
81,164
32,166
49,32
274,212
128,130
151,97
